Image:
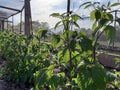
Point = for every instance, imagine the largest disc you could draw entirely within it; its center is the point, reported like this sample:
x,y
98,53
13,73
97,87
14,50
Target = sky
x,y
41,9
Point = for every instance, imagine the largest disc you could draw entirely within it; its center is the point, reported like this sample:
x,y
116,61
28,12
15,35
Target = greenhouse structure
x,y
59,44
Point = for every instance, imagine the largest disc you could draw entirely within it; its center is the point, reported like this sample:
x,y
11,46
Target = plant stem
x,y
94,46
67,33
68,42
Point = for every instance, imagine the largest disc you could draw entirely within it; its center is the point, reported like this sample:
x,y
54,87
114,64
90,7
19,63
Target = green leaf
x,y
106,15
103,21
86,3
35,41
109,16
115,4
41,76
90,76
110,32
73,45
55,40
89,5
92,15
57,80
57,24
66,56
86,43
63,55
111,76
96,3
97,15
118,20
96,30
94,25
44,32
108,5
49,72
72,34
55,15
75,17
76,25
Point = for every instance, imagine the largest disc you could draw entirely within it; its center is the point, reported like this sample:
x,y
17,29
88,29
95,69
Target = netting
x,y
10,7
75,6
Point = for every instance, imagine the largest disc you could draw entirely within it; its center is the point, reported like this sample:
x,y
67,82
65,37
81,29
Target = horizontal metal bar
x,y
10,8
9,21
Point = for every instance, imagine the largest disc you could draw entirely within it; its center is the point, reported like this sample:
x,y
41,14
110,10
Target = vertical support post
x,y
12,24
20,22
7,24
2,23
115,27
27,17
68,13
67,32
68,42
68,8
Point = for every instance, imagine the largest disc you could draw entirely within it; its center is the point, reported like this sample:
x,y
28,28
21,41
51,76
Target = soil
x,y
10,86
108,60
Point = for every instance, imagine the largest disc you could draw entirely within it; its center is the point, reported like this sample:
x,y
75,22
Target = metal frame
x,y
28,19
10,8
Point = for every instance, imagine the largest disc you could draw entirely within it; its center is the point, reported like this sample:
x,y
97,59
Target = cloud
x,y
41,10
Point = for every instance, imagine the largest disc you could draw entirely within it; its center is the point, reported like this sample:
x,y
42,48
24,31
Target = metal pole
x,y
2,25
7,24
115,28
20,22
13,23
67,34
68,13
27,17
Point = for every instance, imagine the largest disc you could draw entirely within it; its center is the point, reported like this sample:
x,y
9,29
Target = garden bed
x,y
108,60
7,85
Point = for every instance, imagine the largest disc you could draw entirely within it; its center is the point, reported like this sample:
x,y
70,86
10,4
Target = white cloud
x,y
41,9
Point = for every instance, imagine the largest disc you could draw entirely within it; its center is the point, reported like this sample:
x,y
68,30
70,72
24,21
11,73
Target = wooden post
x,y
2,24
68,8
12,23
20,22
115,27
27,17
